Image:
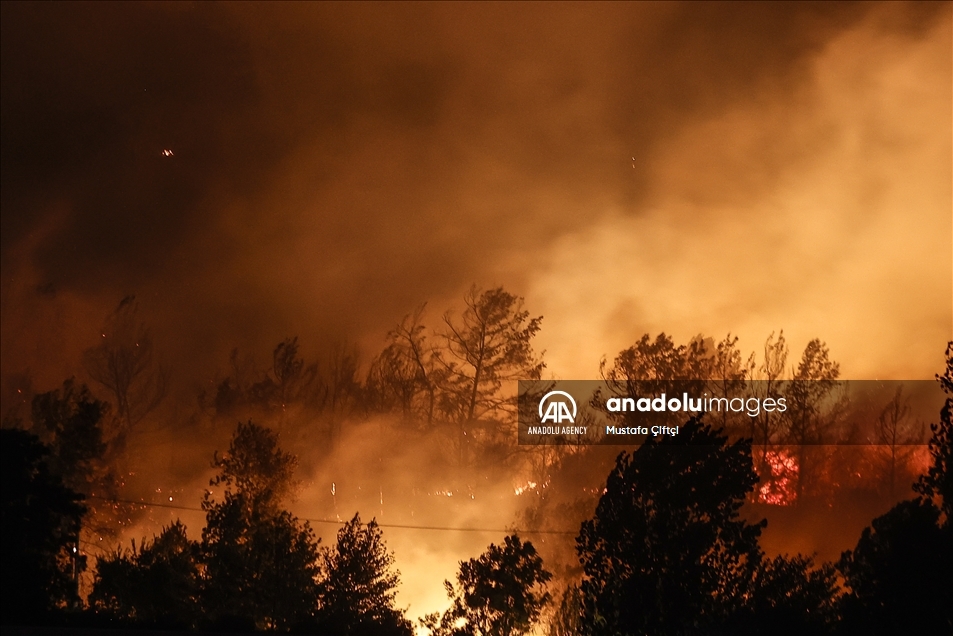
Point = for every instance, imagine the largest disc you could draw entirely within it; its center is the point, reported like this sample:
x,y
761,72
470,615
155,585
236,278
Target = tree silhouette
x,y
766,426
896,434
898,575
288,369
256,468
403,377
568,617
810,413
328,387
290,380
231,393
70,421
41,523
666,552
125,364
356,593
653,367
789,596
937,484
261,562
261,569
727,372
154,585
339,393
500,593
491,343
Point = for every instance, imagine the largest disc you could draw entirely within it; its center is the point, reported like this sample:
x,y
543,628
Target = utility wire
x,y
336,522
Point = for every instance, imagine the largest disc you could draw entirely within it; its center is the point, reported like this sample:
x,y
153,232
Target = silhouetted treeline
x,y
451,385
257,566
41,522
664,548
667,551
448,381
899,577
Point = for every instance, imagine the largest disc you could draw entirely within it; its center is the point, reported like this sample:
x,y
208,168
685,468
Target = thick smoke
x,y
626,168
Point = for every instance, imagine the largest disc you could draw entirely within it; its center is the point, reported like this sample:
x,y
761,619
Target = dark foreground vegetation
x,y
667,550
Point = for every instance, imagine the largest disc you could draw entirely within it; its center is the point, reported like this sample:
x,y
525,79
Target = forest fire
x,y
268,265
778,479
528,486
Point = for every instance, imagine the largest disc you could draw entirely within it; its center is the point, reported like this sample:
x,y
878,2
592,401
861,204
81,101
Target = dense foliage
x,y
500,593
41,522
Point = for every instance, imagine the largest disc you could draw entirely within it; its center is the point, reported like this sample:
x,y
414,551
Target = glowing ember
x,y
529,485
778,481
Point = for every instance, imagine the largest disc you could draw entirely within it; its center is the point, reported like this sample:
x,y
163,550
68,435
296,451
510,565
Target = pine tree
x,y
356,594
261,562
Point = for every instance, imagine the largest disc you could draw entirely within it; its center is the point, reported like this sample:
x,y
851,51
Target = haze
x,y
626,168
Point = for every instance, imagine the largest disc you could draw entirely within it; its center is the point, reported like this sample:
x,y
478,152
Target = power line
x,y
399,526
143,503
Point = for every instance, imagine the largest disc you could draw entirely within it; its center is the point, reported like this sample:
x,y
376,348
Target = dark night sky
x,y
335,165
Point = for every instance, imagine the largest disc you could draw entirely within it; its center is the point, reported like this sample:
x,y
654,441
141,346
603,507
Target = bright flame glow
x,y
529,485
778,482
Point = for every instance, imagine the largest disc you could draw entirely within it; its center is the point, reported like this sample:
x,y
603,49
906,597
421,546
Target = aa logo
x,y
555,407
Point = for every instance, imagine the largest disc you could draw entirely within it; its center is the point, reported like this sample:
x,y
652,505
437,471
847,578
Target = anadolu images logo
x,y
553,407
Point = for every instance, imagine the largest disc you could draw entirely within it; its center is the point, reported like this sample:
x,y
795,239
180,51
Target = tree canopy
x,y
156,584
898,575
358,584
500,593
261,562
41,521
667,550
